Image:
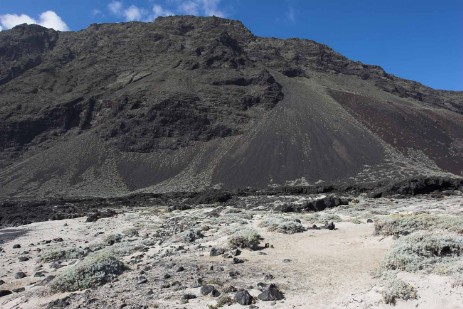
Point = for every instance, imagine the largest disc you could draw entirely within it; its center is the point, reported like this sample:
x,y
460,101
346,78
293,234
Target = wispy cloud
x,y
291,14
166,8
48,19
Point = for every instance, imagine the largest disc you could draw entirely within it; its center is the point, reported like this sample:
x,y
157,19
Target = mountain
x,y
187,103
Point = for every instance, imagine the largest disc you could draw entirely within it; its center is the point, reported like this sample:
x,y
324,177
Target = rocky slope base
x,y
187,103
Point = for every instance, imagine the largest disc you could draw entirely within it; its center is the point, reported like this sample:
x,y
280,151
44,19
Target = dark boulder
x,y
271,293
243,297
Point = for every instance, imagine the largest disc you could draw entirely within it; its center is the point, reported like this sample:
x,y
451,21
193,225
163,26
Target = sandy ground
x,y
315,269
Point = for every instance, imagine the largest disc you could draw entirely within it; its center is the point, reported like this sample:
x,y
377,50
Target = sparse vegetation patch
x,y
283,225
94,270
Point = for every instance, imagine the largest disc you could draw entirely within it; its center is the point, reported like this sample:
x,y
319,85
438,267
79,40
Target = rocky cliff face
x,y
185,103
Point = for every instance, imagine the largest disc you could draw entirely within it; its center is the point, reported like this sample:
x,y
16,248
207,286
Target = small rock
x,y
209,289
180,269
5,293
19,290
216,252
287,261
16,246
243,297
233,274
269,277
142,280
230,289
196,283
20,275
237,261
188,296
330,226
369,221
23,258
2,282
271,293
235,252
167,276
39,274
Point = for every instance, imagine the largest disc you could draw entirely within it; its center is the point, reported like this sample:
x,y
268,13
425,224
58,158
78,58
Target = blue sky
x,y
420,40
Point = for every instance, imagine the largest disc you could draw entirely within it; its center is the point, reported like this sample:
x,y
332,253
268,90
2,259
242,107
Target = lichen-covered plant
x,y
398,289
62,255
283,225
426,251
94,270
247,238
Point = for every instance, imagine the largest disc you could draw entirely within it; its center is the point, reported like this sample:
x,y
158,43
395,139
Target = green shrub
x,y
248,238
94,270
63,255
398,289
426,251
283,225
405,224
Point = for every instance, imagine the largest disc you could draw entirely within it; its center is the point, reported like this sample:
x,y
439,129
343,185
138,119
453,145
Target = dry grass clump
x,y
405,224
283,225
431,252
94,270
63,255
248,238
398,289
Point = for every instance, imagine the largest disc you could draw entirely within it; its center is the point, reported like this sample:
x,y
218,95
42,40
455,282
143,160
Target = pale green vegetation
x,y
247,238
94,270
398,289
426,251
406,224
63,255
283,225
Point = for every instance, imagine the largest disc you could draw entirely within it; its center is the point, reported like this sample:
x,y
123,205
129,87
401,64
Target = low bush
x,y
94,270
405,224
425,251
398,289
248,238
63,255
283,225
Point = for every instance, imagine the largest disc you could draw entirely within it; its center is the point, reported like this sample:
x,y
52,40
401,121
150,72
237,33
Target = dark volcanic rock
x,y
271,293
20,275
243,297
5,293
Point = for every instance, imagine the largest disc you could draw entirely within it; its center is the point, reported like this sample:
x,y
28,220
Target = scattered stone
x,y
330,226
16,246
59,239
271,293
287,261
167,276
142,280
237,261
269,277
5,293
196,283
2,282
180,269
56,265
243,297
369,221
216,251
39,274
20,275
233,274
188,296
23,258
19,290
209,289
235,252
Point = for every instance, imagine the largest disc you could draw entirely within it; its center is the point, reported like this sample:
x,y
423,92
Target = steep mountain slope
x,y
185,103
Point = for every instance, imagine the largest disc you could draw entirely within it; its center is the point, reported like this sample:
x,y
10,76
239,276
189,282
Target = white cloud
x,y
115,7
189,8
134,13
210,8
171,7
291,15
48,19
